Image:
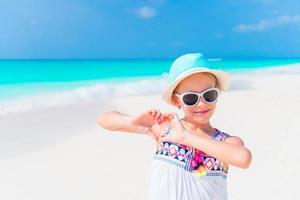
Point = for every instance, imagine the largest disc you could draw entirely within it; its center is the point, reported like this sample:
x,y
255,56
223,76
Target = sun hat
x,y
187,65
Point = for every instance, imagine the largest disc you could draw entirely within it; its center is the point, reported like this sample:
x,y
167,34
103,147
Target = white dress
x,y
180,172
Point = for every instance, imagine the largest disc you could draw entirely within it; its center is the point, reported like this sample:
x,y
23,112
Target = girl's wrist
x,y
132,127
187,138
140,129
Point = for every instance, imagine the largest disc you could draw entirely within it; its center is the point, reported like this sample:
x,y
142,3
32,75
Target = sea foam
x,y
114,89
97,92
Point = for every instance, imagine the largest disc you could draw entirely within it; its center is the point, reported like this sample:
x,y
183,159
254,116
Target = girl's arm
x,y
117,121
231,151
147,122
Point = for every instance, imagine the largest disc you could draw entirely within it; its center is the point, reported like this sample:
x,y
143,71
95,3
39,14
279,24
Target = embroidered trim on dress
x,y
191,159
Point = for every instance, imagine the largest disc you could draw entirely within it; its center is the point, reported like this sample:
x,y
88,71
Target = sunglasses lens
x,y
210,96
190,99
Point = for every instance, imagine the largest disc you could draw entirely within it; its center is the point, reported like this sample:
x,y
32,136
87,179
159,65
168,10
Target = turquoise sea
x,y
68,80
45,71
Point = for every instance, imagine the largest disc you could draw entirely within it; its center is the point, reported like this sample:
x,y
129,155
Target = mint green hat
x,y
187,65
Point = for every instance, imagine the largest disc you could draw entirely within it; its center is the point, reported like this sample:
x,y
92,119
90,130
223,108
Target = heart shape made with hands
x,y
175,131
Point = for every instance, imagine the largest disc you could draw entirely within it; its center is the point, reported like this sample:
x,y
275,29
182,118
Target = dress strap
x,y
219,135
215,134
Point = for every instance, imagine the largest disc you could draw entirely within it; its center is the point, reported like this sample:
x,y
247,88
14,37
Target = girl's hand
x,y
177,133
148,123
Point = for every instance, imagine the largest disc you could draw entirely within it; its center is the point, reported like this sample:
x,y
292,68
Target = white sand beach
x,y
61,153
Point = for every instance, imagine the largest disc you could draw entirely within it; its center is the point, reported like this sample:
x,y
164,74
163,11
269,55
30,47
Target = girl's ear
x,y
175,101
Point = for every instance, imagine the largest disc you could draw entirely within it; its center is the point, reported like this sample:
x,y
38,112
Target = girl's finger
x,y
155,113
163,118
174,115
167,116
158,115
152,111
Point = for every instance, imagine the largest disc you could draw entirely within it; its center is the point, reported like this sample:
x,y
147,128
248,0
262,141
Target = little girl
x,y
192,157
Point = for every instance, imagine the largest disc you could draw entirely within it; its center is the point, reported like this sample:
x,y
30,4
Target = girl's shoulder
x,y
221,136
229,138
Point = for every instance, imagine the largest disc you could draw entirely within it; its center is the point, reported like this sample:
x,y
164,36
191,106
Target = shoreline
x,y
97,91
17,91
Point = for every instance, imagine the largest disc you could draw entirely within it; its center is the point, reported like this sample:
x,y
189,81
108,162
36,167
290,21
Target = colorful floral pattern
x,y
192,159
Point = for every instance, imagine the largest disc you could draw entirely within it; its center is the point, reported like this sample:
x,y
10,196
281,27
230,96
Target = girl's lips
x,y
201,112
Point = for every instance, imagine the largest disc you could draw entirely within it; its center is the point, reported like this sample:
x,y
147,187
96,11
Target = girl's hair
x,y
214,78
210,75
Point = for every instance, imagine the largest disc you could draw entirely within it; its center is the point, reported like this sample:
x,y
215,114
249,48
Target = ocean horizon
x,y
66,70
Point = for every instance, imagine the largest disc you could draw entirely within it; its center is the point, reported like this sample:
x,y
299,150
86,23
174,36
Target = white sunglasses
x,y
192,98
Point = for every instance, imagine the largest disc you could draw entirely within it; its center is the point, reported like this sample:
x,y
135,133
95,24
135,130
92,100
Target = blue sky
x,y
149,28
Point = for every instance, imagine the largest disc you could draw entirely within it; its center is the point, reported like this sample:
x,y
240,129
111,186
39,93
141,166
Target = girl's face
x,y
196,83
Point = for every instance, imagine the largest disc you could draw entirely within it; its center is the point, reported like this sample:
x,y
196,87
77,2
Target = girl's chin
x,y
201,120
200,116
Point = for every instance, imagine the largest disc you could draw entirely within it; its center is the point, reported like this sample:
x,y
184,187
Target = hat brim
x,y
222,77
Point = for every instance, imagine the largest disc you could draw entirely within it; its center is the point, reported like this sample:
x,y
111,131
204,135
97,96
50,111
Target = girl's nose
x,y
201,102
